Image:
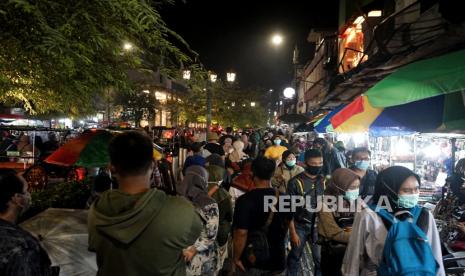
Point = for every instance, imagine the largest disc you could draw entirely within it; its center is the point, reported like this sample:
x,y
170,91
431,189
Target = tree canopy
x,y
58,55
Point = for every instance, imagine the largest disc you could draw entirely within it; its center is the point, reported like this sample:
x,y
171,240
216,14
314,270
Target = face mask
x,y
277,142
314,170
362,164
291,163
408,201
351,195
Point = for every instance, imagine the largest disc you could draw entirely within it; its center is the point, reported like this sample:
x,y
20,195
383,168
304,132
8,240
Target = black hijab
x,y
388,184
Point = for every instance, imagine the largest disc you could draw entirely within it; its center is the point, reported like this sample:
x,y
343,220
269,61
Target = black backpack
x,y
257,249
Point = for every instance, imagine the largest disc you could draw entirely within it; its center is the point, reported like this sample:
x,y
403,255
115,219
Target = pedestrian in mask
x,y
275,152
396,197
302,228
361,159
287,170
335,224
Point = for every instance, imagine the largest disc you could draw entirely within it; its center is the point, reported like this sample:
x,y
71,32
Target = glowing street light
x,y
252,104
128,46
213,77
289,92
186,74
277,39
230,76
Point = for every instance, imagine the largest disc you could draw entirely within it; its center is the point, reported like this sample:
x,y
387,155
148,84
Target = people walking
x,y
334,225
287,170
127,224
238,155
303,227
331,159
251,221
395,204
361,158
201,256
275,151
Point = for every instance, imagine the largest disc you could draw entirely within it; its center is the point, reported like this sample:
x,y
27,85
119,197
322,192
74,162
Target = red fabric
x,y
244,181
350,110
458,245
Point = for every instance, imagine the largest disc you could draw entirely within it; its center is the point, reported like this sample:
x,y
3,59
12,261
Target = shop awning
x,y
420,80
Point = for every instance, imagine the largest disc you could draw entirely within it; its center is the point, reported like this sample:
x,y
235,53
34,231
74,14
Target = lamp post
x,y
212,78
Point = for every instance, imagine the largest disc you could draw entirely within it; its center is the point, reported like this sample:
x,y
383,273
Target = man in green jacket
x,y
136,230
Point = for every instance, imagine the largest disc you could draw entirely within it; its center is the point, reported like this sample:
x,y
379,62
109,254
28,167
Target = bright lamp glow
x,y
252,104
231,77
146,91
127,46
186,74
289,92
375,13
277,39
213,77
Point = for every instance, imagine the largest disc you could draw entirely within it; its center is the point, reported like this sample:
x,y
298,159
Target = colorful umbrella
x,y
88,150
324,124
355,117
440,113
420,80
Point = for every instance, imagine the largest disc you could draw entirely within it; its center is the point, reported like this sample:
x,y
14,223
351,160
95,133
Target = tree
x,y
58,55
135,105
233,106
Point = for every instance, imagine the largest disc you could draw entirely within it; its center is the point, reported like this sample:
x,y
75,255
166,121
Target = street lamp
x,y
127,46
213,77
289,93
277,39
230,76
252,104
186,74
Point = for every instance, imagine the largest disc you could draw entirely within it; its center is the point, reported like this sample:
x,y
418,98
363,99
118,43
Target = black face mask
x,y
313,170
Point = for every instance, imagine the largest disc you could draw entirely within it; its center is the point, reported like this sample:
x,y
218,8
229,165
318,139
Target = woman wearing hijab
x,y
287,170
202,256
228,147
334,226
238,154
216,174
397,188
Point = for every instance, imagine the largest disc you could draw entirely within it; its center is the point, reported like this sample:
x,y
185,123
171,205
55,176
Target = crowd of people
x,y
217,223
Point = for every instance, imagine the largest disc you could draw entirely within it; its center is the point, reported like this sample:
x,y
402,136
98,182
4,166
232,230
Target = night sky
x,y
236,35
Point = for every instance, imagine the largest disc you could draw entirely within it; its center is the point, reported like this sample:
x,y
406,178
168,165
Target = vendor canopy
x,y
420,80
439,113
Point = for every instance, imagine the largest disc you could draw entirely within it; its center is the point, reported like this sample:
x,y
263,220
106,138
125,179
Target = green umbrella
x,y
420,80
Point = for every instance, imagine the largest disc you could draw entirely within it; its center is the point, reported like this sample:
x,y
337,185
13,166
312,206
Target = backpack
x,y
257,250
406,249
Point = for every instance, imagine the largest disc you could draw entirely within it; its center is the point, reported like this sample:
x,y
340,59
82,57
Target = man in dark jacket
x,y
136,230
302,228
20,252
